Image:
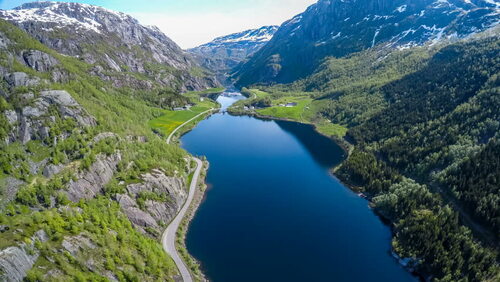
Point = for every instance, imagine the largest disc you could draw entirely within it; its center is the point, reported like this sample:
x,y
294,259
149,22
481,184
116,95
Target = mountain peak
x,y
112,40
62,14
259,35
341,27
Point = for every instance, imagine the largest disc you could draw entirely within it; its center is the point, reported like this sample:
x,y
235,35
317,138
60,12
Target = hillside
x,y
86,187
424,125
339,27
113,43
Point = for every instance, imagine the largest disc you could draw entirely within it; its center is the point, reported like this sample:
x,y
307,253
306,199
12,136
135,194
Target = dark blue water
x,y
274,213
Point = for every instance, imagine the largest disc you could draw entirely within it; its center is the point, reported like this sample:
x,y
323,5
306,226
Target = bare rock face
x,y
51,170
15,262
38,60
138,217
11,186
74,244
30,123
90,183
154,213
16,79
68,107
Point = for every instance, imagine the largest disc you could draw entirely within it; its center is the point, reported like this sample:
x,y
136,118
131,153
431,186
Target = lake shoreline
x,y
202,189
347,147
199,196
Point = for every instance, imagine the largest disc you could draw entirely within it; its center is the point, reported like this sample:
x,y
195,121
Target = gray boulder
x,y
39,60
51,170
21,79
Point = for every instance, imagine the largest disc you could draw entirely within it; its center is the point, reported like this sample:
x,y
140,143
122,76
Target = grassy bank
x,y
274,105
170,120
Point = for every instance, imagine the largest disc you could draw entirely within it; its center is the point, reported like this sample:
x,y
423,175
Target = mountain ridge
x,y
112,41
341,27
226,52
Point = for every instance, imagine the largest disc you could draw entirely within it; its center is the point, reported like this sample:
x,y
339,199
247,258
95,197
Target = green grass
x,y
331,129
294,113
258,93
167,123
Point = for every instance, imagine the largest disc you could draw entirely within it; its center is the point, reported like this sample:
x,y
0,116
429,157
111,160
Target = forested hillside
x,y
425,125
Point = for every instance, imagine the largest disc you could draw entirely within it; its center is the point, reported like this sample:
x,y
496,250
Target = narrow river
x,y
274,213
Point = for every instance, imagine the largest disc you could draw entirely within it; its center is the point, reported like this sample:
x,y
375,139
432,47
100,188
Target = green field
x,y
294,113
331,129
167,123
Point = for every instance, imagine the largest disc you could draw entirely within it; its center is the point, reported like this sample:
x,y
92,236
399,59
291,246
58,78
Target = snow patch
x,y
401,9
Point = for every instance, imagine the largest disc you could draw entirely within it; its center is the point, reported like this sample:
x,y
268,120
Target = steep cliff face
x,y
341,27
114,41
226,52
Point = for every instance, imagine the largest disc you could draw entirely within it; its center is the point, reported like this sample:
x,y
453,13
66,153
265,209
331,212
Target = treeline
x,y
426,231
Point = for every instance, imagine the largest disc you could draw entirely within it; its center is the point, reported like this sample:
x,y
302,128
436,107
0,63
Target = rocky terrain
x,y
342,27
112,42
226,52
78,85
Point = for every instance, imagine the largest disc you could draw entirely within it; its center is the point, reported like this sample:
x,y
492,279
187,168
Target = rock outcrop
x,y
15,262
17,79
38,60
90,183
154,213
33,120
75,244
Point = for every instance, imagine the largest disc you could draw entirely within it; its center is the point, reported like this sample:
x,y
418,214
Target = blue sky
x,y
193,22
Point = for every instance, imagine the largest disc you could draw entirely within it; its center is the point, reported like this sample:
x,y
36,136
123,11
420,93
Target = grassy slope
x,y
170,120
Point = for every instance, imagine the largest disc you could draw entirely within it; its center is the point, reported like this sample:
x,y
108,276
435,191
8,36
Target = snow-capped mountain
x,y
341,27
112,40
226,52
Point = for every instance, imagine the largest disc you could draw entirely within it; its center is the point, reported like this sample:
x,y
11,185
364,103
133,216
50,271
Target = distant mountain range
x,y
226,52
113,41
341,27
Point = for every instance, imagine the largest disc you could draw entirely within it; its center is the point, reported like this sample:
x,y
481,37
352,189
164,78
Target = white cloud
x,y
194,28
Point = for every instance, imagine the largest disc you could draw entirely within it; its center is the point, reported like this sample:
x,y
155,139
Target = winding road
x,y
170,234
182,125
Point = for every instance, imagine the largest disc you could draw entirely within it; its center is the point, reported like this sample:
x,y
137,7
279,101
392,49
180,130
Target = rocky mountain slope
x,y
86,187
226,52
341,27
112,42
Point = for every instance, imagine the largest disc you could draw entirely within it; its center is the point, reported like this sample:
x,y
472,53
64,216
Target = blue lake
x,y
273,212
